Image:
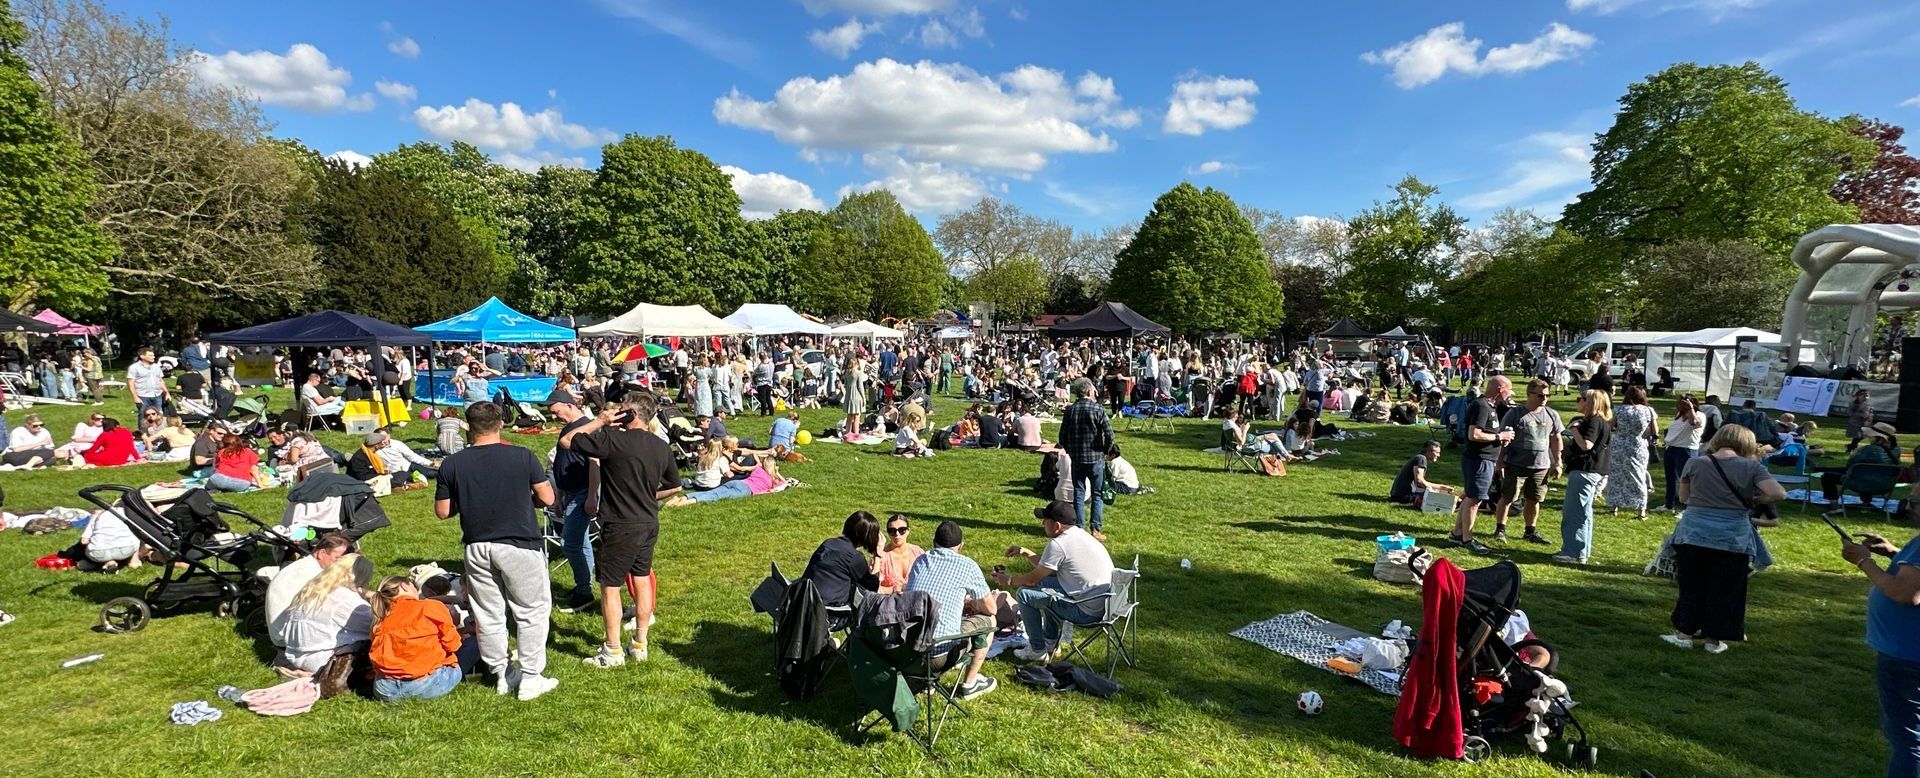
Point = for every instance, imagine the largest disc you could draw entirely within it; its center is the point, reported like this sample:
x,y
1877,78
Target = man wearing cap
x,y
1875,449
638,471
1085,436
380,454
571,487
1073,566
965,603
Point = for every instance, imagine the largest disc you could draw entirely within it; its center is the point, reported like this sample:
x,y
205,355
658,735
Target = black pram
x,y
200,557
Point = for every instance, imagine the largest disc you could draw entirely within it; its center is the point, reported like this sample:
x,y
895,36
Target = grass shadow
x,y
739,659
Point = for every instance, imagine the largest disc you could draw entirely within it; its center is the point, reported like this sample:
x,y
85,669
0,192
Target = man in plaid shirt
x,y
1085,436
957,586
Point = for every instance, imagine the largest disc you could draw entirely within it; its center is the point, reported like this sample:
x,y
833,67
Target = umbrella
x,y
641,351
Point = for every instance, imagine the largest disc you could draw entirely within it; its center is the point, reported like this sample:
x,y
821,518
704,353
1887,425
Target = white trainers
x,y
508,682
535,685
636,652
5,618
1714,647
1677,639
608,658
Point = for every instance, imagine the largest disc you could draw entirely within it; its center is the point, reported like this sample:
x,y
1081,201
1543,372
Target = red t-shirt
x,y
236,464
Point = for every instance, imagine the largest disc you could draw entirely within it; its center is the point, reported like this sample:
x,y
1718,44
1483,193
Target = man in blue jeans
x,y
570,481
1893,629
1085,437
1073,566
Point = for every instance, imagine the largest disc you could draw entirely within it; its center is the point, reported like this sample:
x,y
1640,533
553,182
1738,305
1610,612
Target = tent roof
x,y
1724,337
14,322
66,326
649,320
770,319
1110,319
324,328
496,322
867,329
951,333
1346,329
1398,333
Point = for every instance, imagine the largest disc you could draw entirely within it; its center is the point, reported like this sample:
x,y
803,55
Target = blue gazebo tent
x,y
496,322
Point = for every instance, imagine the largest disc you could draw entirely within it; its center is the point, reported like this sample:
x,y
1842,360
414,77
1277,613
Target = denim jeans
x,y
156,402
1042,608
1576,514
1674,459
225,483
574,525
438,684
1899,682
725,491
1087,478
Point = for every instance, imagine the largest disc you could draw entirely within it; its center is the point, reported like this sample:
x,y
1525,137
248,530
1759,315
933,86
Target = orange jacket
x,y
415,639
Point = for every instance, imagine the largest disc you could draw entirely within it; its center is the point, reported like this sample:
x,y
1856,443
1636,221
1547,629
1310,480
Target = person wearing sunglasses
x,y
84,435
896,555
29,445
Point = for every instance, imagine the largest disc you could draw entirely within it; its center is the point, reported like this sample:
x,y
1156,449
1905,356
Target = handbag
x,y
1754,514
1272,464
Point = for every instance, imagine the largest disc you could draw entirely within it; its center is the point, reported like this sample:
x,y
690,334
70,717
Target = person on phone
x,y
639,472
1716,543
1893,629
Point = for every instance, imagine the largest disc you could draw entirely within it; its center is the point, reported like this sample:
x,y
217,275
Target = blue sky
x,y
1078,110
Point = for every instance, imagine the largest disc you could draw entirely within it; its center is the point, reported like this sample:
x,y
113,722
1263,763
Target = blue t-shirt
x,y
476,391
1894,629
783,432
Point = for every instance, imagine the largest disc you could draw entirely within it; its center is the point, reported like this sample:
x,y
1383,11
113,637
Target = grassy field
x,y
1796,700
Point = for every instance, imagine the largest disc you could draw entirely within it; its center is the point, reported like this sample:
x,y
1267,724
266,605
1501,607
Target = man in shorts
x,y
637,471
1485,436
1529,460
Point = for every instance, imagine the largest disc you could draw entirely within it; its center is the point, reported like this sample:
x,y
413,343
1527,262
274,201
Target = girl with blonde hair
x,y
329,616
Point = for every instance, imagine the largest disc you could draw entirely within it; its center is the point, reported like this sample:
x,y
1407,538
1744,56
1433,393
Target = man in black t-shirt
x,y
571,490
1484,439
637,471
1411,485
495,487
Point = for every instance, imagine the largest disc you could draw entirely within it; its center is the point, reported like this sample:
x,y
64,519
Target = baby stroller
x,y
200,557
1510,688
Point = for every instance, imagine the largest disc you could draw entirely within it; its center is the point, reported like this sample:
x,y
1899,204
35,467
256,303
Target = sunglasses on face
x,y
896,530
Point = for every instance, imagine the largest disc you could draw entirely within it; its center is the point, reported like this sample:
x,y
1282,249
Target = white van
x,y
1617,345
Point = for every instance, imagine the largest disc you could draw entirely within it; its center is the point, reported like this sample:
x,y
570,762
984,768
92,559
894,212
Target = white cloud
x,y
301,78
506,127
841,41
1017,13
397,92
765,195
553,94
1200,104
922,187
1425,59
734,51
1911,102
928,112
360,102
1552,165
1210,167
1716,9
400,44
1106,101
877,7
935,35
949,31
353,158
531,163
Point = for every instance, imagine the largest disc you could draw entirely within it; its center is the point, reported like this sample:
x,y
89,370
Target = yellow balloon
x,y
803,437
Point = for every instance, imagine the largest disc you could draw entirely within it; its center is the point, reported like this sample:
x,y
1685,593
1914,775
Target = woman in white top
x,y
328,615
713,466
906,441
84,435
109,542
1683,443
28,445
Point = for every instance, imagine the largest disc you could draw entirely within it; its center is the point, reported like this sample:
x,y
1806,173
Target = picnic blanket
x,y
1314,640
1815,497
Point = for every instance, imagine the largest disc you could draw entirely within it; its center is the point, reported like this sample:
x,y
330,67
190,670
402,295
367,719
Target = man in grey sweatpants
x,y
495,489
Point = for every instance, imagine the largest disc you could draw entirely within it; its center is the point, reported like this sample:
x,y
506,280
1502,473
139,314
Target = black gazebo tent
x,y
325,329
1345,329
14,322
1110,320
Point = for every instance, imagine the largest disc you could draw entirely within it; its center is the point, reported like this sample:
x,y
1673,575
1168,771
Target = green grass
x,y
1797,700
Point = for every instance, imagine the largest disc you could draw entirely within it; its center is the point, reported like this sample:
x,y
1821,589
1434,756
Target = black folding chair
x,y
1233,457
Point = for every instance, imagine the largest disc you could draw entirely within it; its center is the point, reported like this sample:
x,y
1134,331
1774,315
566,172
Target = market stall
x,y
494,322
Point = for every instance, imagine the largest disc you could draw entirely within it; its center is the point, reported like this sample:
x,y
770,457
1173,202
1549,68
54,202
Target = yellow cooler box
x,y
396,410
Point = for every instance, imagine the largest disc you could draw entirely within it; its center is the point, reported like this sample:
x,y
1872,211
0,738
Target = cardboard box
x,y
360,423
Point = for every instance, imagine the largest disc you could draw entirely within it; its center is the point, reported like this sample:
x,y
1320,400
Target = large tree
x,y
1519,272
1716,153
1017,287
660,224
50,251
985,234
1695,284
880,262
1887,191
1195,266
188,190
1399,252
538,283
393,251
490,201
786,246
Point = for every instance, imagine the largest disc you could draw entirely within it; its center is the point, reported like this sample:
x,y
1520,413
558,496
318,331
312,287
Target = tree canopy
x,y
659,223
889,263
392,251
1196,266
1399,253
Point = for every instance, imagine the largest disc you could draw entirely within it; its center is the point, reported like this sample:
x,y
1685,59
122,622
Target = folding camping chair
x,y
1115,627
309,415
556,542
1233,457
1867,481
772,591
1142,411
907,686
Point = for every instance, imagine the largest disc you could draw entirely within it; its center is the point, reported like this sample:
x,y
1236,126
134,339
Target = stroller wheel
x,y
1583,756
253,622
1476,750
226,609
124,614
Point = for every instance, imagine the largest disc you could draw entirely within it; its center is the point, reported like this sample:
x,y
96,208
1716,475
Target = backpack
x,y
1454,415
941,440
1049,474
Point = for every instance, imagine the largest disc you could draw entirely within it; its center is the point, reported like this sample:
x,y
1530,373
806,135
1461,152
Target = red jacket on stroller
x,y
1428,719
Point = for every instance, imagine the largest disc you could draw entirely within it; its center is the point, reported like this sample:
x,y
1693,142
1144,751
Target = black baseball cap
x,y
560,396
1058,512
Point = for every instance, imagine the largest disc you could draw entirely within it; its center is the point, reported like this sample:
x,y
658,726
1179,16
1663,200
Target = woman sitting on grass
x,y
233,466
906,442
29,445
329,616
109,542
113,447
170,442
762,479
712,467
416,652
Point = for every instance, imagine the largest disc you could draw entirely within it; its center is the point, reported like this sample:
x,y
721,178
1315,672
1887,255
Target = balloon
x,y
803,437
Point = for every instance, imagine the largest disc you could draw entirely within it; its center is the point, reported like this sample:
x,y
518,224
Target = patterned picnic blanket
x,y
1312,639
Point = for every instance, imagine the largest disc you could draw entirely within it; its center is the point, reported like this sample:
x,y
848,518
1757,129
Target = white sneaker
x,y
5,618
636,652
535,685
1715,647
608,658
1677,639
509,681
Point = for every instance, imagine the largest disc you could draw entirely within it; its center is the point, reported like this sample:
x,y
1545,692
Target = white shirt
x,y
148,380
286,584
397,456
309,638
1123,473
23,439
1080,562
107,530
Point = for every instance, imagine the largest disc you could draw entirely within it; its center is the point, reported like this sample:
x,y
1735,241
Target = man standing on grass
x,y
570,486
487,484
638,471
1529,461
1085,436
148,382
1485,436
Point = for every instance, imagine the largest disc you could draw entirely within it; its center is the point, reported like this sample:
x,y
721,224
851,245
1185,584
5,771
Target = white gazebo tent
x,y
1861,266
1703,361
664,321
769,319
866,329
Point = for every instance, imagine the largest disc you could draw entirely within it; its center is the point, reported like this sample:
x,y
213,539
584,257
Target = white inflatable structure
x,y
1865,267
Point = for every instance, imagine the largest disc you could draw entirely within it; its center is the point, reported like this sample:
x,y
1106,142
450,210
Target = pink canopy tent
x,y
68,326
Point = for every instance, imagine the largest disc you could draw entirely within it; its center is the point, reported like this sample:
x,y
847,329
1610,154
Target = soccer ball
x,y
1310,703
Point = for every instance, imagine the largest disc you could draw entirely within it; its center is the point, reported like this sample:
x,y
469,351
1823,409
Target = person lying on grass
x,y
764,476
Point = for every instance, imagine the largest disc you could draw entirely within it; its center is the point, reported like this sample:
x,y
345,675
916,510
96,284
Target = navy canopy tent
x,y
327,329
1346,329
13,322
495,322
1110,320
